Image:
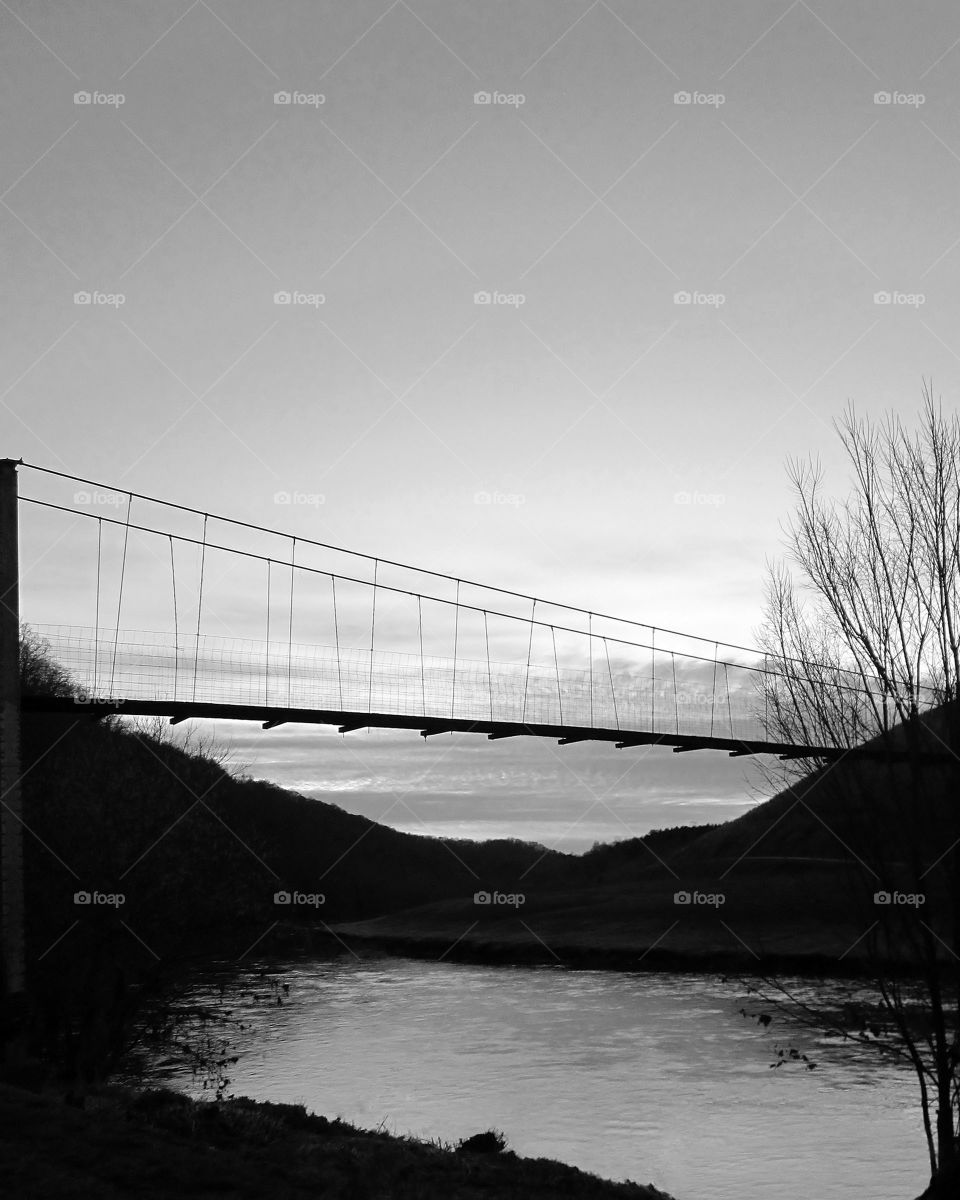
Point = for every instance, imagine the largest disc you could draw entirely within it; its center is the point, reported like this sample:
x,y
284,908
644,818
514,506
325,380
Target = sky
x,y
539,294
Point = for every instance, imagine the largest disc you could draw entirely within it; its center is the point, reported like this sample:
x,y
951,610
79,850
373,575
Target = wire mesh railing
x,y
156,666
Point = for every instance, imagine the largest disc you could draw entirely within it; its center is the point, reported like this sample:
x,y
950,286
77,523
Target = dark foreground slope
x,y
161,1144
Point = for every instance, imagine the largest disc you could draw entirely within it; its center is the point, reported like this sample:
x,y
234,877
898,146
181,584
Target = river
x,y
652,1077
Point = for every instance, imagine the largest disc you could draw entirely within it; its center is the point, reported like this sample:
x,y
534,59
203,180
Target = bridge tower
x,y
11,801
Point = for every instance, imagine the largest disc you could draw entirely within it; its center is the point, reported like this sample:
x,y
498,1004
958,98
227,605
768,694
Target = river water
x,y
650,1077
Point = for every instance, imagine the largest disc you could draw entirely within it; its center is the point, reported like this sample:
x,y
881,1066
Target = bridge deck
x,y
271,716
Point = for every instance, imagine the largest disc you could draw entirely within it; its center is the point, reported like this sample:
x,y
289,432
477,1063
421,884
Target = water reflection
x,y
652,1077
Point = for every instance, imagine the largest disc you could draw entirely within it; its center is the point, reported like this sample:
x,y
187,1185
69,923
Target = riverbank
x,y
795,916
159,1143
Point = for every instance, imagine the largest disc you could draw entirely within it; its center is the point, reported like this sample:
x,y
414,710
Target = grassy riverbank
x,y
159,1144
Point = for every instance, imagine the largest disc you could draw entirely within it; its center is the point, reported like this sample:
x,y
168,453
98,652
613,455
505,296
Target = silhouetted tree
x,y
863,634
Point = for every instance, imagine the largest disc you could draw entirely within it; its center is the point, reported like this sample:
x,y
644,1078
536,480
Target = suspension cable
x,y
379,558
176,625
613,690
526,680
203,563
846,671
293,556
556,663
590,646
336,635
423,685
456,635
123,568
96,640
474,608
486,637
373,624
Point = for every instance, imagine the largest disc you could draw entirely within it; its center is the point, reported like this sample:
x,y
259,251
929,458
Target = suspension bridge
x,y
155,608
198,615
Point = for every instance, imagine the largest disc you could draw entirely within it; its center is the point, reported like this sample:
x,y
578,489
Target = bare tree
x,y
862,634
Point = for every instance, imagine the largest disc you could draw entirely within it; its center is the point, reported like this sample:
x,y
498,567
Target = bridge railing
x,y
648,697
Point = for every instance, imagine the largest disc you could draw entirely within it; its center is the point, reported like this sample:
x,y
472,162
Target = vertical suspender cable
x,y
713,699
590,644
196,651
456,635
336,635
293,558
96,636
373,624
486,637
726,681
423,684
766,699
653,676
123,568
556,663
176,625
613,691
266,669
526,681
676,698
